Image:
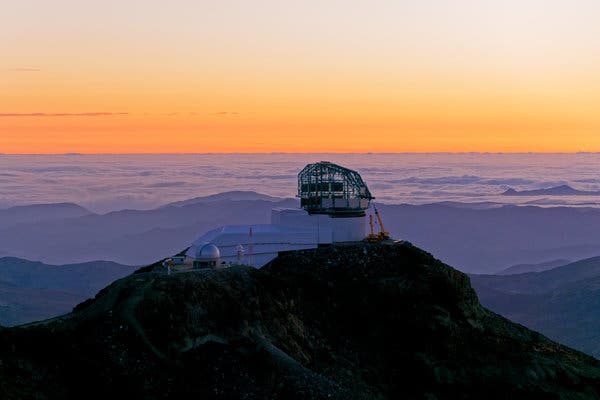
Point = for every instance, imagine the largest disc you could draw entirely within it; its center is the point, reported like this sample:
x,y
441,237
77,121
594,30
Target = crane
x,y
382,234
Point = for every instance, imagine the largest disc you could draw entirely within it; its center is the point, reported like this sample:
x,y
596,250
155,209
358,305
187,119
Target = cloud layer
x,y
111,182
86,114
23,69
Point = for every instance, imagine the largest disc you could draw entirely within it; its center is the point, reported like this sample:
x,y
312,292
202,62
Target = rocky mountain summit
x,y
356,321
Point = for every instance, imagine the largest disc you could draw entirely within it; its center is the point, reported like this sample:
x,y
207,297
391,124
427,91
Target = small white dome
x,y
208,252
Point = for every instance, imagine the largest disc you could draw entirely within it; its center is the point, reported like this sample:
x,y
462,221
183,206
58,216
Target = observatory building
x,y
333,202
326,188
207,255
338,193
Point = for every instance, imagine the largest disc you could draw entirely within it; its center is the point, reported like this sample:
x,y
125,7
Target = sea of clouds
x,y
104,183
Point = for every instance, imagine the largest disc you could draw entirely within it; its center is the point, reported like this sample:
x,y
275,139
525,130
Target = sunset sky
x,y
299,76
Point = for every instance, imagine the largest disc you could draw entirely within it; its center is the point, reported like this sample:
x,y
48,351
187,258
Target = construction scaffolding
x,y
327,188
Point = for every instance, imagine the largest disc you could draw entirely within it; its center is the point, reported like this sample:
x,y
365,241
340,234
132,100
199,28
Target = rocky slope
x,y
347,322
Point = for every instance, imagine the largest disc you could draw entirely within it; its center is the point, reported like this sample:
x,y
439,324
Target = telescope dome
x,y
327,188
208,252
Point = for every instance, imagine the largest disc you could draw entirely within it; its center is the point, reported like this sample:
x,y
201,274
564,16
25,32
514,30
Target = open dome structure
x,y
327,188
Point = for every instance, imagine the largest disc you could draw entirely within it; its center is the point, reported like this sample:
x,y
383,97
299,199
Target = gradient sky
x,y
296,76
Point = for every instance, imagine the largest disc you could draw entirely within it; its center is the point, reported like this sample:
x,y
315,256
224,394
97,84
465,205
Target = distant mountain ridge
x,y
84,277
562,302
133,237
31,290
238,195
486,240
545,281
40,213
477,237
543,266
562,190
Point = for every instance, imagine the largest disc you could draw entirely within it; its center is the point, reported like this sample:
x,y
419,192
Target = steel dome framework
x,y
327,188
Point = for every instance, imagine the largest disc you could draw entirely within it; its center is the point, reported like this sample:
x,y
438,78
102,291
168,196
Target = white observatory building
x,y
333,202
207,255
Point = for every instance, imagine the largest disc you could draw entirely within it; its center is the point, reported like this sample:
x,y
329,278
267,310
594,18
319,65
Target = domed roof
x,y
208,252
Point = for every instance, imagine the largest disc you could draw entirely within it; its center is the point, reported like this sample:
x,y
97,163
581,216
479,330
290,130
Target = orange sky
x,y
240,76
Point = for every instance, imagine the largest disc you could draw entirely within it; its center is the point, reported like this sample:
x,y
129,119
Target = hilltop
x,y
355,321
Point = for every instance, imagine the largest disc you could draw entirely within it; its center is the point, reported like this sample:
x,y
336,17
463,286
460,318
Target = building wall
x,y
348,229
290,229
327,229
260,247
